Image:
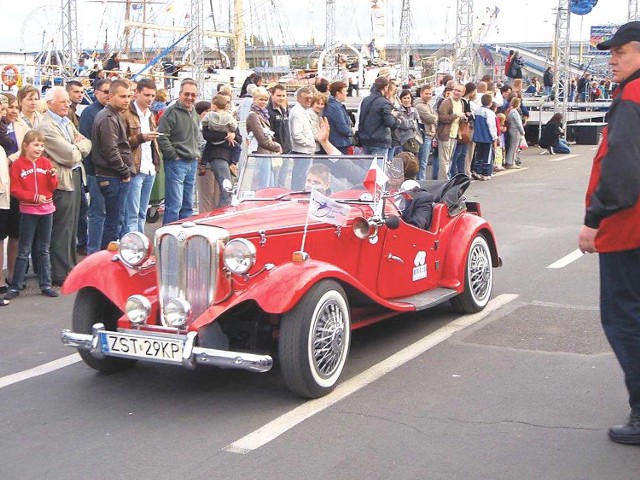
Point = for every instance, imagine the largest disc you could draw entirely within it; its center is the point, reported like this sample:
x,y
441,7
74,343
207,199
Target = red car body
x,y
301,303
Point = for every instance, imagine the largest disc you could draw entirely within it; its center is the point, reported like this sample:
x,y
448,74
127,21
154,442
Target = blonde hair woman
x,y
258,129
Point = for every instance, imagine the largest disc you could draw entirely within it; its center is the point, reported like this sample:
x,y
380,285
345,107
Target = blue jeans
x,y
380,151
220,169
563,147
115,193
96,216
547,92
620,314
179,189
34,230
423,158
138,201
298,172
457,160
82,220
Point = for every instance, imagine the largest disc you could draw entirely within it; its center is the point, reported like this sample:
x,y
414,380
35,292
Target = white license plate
x,y
153,348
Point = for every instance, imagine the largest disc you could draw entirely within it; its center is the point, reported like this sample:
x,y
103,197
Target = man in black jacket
x,y
112,159
377,118
279,121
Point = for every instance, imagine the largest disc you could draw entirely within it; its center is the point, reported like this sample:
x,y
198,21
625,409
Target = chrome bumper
x,y
191,354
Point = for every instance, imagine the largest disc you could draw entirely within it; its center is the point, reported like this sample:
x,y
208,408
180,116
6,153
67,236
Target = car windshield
x,y
267,177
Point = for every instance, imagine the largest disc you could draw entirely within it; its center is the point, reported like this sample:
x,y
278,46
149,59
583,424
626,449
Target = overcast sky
x,y
26,23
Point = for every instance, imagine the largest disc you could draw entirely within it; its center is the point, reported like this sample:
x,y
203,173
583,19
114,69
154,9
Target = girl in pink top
x,y
33,181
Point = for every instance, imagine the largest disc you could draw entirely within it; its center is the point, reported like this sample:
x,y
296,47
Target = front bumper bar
x,y
191,354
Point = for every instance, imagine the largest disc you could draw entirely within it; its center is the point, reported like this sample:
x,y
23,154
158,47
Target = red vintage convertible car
x,y
259,279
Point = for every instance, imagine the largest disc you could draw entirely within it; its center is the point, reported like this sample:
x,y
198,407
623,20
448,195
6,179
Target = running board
x,y
428,299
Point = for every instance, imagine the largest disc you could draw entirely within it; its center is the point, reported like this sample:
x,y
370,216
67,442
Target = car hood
x,y
251,217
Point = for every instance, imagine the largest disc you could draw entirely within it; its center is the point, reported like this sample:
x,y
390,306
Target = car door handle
x,y
391,256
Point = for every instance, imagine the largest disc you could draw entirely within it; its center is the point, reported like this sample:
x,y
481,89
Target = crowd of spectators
x,y
105,157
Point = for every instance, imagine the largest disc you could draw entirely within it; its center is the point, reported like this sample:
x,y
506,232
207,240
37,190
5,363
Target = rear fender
x,y
465,230
104,272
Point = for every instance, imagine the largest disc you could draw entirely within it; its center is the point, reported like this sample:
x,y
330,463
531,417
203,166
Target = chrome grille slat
x,y
187,263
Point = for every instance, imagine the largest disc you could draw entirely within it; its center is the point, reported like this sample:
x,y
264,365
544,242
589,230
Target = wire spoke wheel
x,y
478,278
328,339
314,340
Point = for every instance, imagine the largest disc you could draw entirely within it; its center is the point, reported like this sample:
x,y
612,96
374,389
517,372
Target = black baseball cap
x,y
629,32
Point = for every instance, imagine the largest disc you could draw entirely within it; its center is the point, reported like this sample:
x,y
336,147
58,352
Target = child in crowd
x,y
33,181
223,148
220,119
499,157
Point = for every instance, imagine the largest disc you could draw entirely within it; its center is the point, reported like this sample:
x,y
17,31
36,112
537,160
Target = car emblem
x,y
420,266
181,236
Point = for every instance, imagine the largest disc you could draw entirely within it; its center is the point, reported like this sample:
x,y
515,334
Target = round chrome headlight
x,y
137,309
177,312
135,249
239,255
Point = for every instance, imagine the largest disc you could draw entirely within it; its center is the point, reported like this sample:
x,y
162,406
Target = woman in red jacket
x,y
33,181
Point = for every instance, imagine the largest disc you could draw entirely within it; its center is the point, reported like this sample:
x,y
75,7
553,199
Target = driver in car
x,y
318,177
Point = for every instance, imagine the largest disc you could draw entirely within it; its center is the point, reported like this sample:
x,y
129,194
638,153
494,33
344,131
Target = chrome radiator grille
x,y
188,267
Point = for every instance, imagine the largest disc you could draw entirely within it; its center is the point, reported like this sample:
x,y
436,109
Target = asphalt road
x,y
525,392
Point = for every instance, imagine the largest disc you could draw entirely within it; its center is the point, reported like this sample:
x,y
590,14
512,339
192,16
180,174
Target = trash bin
x,y
156,201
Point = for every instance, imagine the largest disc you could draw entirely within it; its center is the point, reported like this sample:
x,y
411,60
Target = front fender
x,y
466,229
282,288
111,277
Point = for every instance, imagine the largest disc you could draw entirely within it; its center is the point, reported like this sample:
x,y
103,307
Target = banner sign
x,y
600,34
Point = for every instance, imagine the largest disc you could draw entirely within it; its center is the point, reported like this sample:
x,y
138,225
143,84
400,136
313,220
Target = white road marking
x,y
510,170
563,157
567,259
39,370
282,424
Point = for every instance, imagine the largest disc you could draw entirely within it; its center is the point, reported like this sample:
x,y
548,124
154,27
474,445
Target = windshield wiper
x,y
296,192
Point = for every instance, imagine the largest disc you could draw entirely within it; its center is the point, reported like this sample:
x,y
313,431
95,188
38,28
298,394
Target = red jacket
x,y
613,194
27,182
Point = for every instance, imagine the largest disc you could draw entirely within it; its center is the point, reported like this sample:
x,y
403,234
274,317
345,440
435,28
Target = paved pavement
x,y
526,392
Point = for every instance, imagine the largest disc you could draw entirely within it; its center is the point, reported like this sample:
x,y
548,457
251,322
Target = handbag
x,y
464,132
523,143
412,145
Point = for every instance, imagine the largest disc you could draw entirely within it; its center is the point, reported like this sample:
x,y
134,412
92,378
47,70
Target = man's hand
x,y
149,136
42,199
586,239
126,180
78,138
234,169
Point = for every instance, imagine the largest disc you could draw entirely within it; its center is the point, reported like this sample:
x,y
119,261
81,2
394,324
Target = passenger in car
x,y
414,204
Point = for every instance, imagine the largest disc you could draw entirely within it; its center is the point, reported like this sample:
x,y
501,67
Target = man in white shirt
x,y
302,139
142,135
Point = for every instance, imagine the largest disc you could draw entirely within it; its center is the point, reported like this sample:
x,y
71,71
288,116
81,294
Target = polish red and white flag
x,y
375,177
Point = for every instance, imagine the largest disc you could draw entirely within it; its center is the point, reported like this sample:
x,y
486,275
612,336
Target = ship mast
x,y
239,34
378,27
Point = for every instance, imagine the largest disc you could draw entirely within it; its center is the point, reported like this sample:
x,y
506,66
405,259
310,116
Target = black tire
x,y
90,307
478,278
153,217
314,340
